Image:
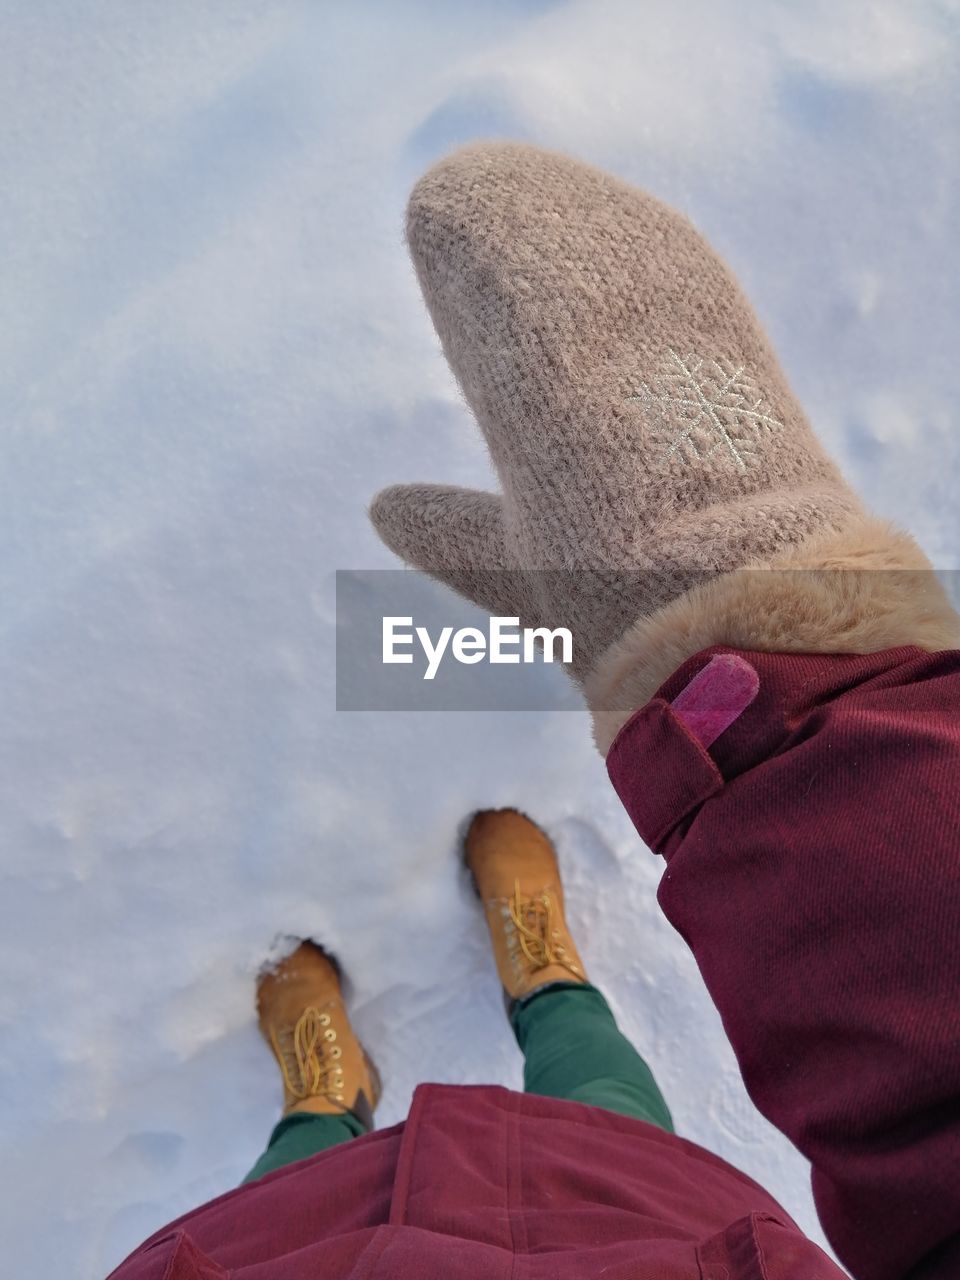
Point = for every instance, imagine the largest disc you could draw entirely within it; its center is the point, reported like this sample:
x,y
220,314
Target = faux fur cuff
x,y
861,591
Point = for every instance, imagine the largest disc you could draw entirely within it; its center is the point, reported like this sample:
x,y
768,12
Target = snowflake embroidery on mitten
x,y
701,407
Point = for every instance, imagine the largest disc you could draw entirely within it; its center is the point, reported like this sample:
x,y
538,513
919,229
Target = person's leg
x,y
574,1049
302,1134
330,1086
569,1037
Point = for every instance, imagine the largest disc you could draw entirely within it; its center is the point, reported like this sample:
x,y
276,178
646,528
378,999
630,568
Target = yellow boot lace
x,y
303,1059
539,940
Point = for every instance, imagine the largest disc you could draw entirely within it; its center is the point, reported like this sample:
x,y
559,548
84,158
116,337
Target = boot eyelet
x,y
324,1019
335,1052
330,1035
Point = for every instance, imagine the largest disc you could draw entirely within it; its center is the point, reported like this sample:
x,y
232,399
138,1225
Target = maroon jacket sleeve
x,y
813,866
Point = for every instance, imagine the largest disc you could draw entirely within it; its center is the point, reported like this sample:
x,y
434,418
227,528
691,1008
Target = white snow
x,y
212,353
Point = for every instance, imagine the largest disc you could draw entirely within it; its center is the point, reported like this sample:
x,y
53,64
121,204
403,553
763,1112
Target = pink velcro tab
x,y
716,696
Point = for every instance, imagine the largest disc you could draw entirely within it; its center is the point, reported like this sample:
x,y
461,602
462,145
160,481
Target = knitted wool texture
x,y
642,431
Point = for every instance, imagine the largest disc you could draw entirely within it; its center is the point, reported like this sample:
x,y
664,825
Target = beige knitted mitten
x,y
644,436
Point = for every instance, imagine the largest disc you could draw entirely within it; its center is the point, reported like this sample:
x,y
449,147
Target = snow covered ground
x,y
212,352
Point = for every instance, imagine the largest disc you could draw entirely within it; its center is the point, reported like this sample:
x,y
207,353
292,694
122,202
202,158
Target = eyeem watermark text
x,y
504,642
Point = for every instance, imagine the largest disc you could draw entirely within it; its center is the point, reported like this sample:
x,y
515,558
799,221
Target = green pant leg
x,y
304,1134
574,1049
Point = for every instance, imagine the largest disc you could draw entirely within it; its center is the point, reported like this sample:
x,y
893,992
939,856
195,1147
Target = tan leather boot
x,y
304,1021
515,873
